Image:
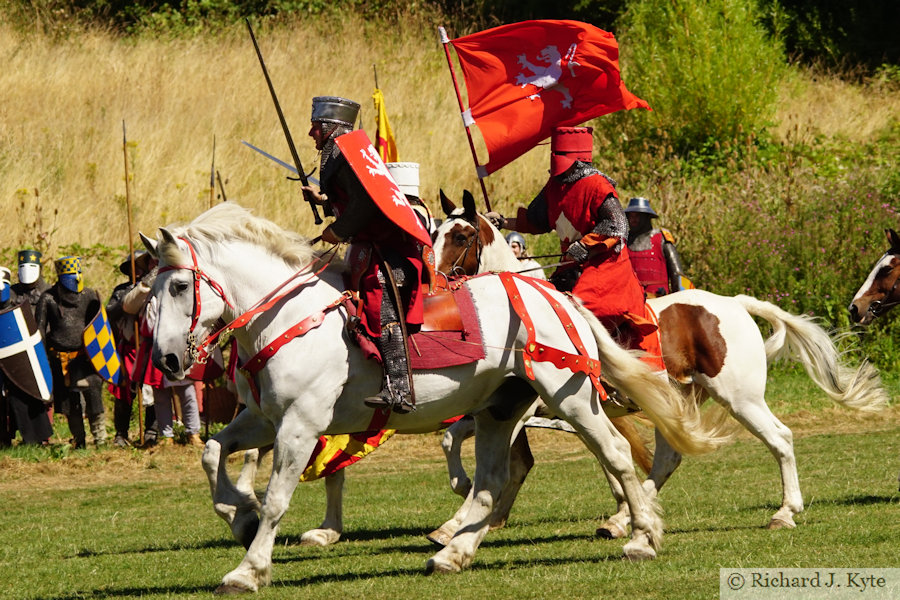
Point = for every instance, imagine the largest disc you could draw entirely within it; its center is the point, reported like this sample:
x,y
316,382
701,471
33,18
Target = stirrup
x,y
401,407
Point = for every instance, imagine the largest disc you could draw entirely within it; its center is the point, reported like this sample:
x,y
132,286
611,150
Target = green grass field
x,y
127,524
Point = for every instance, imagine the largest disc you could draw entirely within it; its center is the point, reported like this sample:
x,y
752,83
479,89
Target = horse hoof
x,y
438,538
781,524
231,589
641,552
439,567
319,537
610,532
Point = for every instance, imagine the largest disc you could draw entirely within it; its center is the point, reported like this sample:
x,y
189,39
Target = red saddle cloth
x,y
450,335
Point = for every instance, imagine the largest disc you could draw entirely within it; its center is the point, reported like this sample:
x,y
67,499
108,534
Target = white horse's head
x,y
209,270
881,289
466,243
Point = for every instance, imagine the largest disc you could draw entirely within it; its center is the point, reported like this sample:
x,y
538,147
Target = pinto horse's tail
x,y
801,338
676,416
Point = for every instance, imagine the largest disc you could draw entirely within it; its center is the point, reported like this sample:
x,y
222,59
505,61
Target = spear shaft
x,y
137,337
287,133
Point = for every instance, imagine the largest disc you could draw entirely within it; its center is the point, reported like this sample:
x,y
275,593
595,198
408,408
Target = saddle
x,y
450,334
442,312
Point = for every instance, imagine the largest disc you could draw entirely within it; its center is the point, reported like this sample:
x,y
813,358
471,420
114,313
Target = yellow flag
x,y
385,143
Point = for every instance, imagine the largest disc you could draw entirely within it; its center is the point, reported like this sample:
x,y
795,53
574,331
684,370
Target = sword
x,y
287,133
287,166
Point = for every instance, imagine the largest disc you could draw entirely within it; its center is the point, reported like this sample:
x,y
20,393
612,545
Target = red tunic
x,y
650,266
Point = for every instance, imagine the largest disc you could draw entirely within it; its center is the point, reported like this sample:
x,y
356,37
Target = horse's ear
x,y
167,236
893,238
447,204
469,210
149,244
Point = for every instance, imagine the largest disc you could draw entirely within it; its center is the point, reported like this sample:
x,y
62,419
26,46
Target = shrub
x,y
707,69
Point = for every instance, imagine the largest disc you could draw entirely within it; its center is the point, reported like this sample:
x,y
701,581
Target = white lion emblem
x,y
376,166
547,76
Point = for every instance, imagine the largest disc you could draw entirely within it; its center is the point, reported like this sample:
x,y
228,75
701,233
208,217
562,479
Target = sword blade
x,y
287,166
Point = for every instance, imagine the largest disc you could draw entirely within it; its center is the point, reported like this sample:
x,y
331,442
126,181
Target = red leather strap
x,y
577,363
255,364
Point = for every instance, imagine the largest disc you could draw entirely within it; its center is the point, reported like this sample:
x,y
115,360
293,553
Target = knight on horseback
x,y
386,262
582,205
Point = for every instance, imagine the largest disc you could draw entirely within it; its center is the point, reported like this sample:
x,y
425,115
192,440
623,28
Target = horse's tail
x,y
801,338
640,453
675,415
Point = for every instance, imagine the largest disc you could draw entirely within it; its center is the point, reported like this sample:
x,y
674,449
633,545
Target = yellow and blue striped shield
x,y
101,348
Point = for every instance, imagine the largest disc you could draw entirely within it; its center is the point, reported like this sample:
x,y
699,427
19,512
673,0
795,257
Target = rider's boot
x,y
395,391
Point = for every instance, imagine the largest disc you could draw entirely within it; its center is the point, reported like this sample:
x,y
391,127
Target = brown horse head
x,y
881,289
464,234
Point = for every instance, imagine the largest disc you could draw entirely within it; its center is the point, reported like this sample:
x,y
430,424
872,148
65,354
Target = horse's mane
x,y
230,221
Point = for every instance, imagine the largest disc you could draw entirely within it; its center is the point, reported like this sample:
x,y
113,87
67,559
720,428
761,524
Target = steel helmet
x,y
517,237
640,205
334,109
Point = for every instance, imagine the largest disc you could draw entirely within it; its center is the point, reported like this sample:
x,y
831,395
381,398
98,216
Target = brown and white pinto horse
x,y
711,345
879,292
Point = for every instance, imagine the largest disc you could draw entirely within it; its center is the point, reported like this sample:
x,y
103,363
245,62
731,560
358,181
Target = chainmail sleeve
x,y
611,221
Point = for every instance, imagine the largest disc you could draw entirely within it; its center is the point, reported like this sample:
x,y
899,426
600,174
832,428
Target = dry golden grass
x,y
811,105
62,107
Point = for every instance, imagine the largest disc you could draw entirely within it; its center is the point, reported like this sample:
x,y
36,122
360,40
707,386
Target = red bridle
x,y
199,276
198,350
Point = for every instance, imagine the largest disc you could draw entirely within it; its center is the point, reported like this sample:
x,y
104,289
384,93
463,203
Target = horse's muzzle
x,y
169,365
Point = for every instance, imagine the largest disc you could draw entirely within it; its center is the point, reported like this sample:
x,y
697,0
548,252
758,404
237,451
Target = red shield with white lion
x,y
375,177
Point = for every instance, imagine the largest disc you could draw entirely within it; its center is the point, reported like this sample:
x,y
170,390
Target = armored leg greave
x,y
396,392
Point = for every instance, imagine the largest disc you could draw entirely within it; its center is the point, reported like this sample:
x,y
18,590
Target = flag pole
x,y
467,116
137,337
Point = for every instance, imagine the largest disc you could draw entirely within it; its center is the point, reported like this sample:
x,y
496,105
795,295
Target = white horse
x,y
229,265
710,344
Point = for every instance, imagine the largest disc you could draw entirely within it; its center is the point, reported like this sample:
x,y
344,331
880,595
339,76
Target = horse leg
x,y
451,444
236,503
616,526
290,454
492,448
613,451
759,420
520,462
443,534
329,532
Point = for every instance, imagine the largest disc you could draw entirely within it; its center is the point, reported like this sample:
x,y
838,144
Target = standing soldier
x,y
653,254
62,314
385,258
31,414
124,304
528,266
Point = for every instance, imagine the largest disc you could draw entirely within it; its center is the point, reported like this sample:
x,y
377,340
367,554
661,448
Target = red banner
x,y
524,79
375,177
